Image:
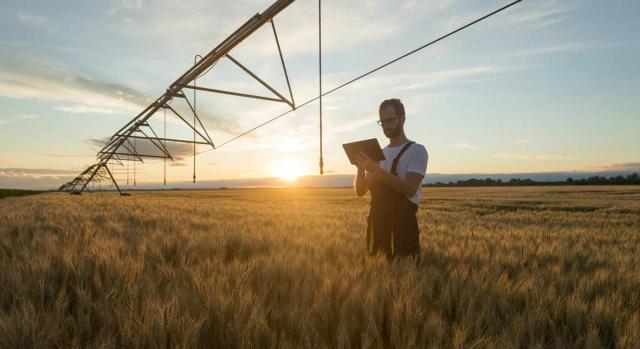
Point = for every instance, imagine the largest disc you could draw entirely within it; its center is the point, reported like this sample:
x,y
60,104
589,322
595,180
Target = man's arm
x,y
360,184
408,187
415,173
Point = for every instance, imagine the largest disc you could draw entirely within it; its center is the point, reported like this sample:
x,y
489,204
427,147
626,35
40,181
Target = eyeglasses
x,y
382,122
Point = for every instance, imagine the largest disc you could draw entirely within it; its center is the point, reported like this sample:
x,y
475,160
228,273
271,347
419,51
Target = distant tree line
x,y
630,179
5,193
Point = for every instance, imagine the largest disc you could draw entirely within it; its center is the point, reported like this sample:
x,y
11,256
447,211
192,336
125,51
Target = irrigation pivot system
x,y
124,145
137,140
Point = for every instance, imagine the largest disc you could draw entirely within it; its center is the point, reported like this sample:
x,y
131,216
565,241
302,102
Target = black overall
x,y
392,226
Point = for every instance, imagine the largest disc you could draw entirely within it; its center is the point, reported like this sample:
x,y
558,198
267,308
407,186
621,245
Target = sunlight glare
x,y
287,169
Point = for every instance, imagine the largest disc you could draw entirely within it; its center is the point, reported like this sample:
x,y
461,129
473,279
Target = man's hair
x,y
397,106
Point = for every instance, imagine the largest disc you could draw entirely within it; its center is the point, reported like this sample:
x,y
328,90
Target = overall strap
x,y
395,161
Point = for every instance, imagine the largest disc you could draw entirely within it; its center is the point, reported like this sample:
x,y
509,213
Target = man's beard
x,y
393,133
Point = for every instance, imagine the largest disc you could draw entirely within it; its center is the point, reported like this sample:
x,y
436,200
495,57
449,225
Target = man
x,y
394,183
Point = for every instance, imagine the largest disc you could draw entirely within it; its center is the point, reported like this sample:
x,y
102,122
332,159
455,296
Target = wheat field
x,y
287,268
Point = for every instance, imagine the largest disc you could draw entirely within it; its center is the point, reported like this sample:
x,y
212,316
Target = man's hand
x,y
364,162
376,176
361,183
407,186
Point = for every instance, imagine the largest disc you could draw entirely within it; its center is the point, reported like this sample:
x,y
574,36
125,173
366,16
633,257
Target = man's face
x,y
392,123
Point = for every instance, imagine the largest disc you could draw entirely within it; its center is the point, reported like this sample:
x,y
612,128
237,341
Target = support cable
x,y
321,163
195,61
165,145
321,94
134,163
368,73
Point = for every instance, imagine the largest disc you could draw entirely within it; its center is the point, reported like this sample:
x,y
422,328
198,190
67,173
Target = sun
x,y
287,169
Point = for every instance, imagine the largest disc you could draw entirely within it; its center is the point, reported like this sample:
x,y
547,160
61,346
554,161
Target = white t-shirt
x,y
414,159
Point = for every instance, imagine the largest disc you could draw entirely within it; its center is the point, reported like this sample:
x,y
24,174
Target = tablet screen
x,y
371,147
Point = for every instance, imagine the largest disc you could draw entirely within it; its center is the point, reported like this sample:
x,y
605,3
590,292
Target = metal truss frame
x,y
121,146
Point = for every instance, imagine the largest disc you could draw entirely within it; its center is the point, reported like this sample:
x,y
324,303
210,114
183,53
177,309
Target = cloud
x,y
67,156
364,21
85,109
413,81
576,46
300,23
522,156
48,80
347,124
73,92
544,14
177,150
28,182
462,146
619,167
133,4
343,110
35,21
35,172
21,45
521,141
11,120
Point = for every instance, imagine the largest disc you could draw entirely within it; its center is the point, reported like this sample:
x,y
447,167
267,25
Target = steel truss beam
x,y
120,147
93,172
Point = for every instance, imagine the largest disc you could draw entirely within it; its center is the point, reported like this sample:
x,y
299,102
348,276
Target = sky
x,y
547,85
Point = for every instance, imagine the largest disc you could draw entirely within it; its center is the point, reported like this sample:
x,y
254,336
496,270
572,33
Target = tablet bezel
x,y
371,147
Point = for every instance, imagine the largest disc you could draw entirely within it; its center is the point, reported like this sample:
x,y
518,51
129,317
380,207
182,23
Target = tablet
x,y
371,147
